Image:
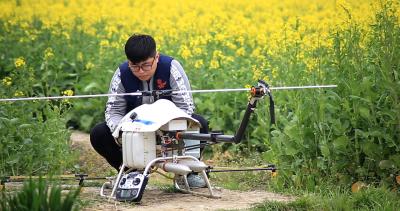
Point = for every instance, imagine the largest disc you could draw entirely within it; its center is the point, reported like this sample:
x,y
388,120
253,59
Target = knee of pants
x,y
99,133
203,123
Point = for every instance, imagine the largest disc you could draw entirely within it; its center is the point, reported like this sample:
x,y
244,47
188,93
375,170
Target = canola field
x,y
351,133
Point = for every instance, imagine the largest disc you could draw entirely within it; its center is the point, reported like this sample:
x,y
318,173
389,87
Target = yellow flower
x,y
185,52
214,64
111,30
311,64
274,73
118,45
198,63
230,45
67,92
240,40
240,52
257,73
197,51
227,59
266,79
19,62
79,56
48,53
217,54
89,65
7,81
220,37
66,35
18,94
104,43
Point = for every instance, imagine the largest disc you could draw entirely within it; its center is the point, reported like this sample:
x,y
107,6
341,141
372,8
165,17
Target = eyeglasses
x,y
145,67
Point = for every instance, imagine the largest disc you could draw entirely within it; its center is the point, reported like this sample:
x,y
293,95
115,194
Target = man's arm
x,y
116,105
179,81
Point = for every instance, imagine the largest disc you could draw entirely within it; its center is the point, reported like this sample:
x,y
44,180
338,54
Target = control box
x,y
131,187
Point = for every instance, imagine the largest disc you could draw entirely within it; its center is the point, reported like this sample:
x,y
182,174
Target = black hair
x,y
140,47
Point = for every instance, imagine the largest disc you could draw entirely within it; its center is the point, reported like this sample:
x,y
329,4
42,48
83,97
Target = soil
x,y
158,197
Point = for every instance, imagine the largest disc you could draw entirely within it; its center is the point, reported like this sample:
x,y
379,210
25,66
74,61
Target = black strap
x,y
271,108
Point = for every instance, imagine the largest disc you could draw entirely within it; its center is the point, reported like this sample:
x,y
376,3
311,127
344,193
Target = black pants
x,y
104,143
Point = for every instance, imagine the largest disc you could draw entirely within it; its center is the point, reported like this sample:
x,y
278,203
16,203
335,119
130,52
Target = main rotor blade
x,y
248,89
173,92
212,90
70,97
303,87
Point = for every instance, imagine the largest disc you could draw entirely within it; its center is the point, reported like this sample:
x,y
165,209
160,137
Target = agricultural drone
x,y
161,137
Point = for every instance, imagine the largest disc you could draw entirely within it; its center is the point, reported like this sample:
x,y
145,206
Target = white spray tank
x,y
139,133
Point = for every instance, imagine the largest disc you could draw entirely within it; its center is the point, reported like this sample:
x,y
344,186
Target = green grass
x,y
338,199
328,196
39,195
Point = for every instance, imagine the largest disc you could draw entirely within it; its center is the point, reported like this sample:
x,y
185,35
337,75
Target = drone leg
x,y
117,181
204,175
197,166
186,182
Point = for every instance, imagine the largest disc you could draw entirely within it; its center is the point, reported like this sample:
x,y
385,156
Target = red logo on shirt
x,y
161,84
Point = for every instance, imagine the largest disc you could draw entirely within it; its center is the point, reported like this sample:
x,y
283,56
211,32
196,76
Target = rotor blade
x,y
248,89
70,97
173,92
212,90
303,87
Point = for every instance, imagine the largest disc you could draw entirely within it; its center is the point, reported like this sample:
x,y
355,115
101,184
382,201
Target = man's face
x,y
144,70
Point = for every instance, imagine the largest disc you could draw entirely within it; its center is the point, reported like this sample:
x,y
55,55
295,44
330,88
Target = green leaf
x,y
371,149
14,120
293,132
386,164
24,126
395,159
28,141
290,150
5,120
341,143
72,75
364,112
86,121
90,87
325,150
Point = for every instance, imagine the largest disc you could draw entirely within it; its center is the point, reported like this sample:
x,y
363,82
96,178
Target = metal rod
x,y
173,92
207,137
245,121
197,146
191,147
79,177
238,170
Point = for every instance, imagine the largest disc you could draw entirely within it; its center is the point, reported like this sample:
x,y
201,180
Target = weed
x,y
38,195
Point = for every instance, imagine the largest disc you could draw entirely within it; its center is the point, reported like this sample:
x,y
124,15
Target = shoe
x,y
110,183
196,181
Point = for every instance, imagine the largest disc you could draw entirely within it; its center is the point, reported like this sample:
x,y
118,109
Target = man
x,y
145,70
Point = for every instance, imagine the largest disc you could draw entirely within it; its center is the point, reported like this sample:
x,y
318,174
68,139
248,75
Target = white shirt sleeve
x,y
116,105
180,82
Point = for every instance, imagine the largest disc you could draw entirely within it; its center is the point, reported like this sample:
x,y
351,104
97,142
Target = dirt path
x,y
156,198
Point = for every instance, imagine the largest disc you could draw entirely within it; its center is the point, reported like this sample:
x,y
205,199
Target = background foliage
x,y
346,134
